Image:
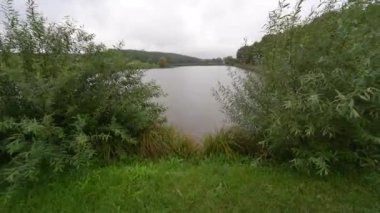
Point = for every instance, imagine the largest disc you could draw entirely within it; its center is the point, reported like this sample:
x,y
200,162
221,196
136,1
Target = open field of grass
x,y
206,185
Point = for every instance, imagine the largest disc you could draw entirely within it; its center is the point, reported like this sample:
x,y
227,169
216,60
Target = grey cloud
x,y
202,28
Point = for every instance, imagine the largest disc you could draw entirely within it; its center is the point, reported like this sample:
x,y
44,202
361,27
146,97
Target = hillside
x,y
173,59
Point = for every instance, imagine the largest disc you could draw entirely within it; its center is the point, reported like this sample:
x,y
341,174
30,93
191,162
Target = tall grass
x,y
230,142
166,141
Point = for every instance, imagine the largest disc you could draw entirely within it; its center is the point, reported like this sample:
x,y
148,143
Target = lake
x,y
191,106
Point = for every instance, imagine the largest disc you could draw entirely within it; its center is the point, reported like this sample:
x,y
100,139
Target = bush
x,y
65,100
315,100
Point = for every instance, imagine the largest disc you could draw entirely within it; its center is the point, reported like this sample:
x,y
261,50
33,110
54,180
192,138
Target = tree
x,y
229,60
162,62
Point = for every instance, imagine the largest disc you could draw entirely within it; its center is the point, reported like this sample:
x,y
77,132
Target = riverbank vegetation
x,y
80,130
64,101
314,100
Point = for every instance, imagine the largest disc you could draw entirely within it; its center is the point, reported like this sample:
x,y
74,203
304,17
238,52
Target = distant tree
x,y
219,60
163,62
249,54
243,55
229,60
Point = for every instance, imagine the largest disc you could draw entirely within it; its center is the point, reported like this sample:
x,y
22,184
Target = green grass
x,y
207,185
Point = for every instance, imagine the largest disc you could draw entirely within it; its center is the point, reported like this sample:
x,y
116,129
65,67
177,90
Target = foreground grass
x,y
208,185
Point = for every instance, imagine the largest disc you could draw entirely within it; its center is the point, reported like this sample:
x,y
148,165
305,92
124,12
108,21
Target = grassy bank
x,y
248,67
207,185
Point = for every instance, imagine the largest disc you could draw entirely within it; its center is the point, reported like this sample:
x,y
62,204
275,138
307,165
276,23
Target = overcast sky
x,y
201,28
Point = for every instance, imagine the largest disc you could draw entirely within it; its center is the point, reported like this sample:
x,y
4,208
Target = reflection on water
x,y
191,106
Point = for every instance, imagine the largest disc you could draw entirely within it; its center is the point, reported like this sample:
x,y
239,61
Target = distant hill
x,y
173,59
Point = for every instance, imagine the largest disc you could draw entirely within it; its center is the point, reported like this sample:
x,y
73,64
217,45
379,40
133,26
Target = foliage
x,y
164,141
174,59
163,62
315,100
135,64
250,54
206,185
212,62
64,99
229,60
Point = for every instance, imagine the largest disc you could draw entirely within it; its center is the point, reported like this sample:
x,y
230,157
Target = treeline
x,y
314,101
252,54
169,59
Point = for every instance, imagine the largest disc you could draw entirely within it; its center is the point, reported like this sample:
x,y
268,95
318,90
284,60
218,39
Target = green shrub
x,y
64,99
315,100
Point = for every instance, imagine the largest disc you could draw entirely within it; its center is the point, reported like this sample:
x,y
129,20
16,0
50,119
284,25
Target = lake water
x,y
191,106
